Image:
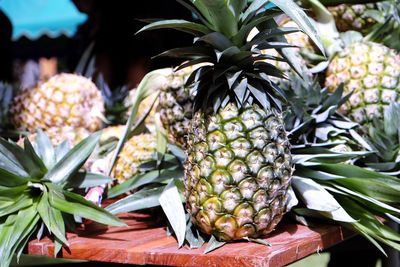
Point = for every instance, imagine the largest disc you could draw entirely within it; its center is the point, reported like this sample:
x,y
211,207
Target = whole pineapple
x,y
372,72
63,100
176,105
137,150
353,17
238,171
238,165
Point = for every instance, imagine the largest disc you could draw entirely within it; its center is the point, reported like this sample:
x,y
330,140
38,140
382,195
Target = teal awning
x,y
34,18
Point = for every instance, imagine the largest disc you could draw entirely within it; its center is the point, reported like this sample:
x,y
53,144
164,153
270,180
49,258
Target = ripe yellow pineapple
x,y
372,72
64,100
137,150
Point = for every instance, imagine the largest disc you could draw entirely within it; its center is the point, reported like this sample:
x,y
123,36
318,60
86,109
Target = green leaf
x,y
213,244
45,148
299,16
373,188
150,84
61,150
143,199
139,180
193,236
9,179
253,8
346,170
171,203
17,154
23,201
30,151
372,202
220,14
177,24
73,160
314,195
12,191
51,218
162,140
13,233
74,204
86,180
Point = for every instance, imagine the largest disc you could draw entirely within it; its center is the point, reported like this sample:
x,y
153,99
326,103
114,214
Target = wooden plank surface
x,y
145,242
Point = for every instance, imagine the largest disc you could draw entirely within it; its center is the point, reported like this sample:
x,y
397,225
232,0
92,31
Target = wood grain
x,y
145,242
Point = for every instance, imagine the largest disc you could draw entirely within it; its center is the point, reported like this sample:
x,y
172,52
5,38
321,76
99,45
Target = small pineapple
x,y
176,105
353,17
63,100
372,72
137,150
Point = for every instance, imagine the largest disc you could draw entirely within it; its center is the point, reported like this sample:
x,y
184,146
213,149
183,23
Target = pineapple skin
x,y
64,100
372,72
350,17
237,172
176,105
137,150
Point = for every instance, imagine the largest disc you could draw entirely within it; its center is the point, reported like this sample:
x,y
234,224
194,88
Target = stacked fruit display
x,y
241,146
246,161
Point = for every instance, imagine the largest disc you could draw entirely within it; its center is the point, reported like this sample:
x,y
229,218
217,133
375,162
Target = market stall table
x,y
145,242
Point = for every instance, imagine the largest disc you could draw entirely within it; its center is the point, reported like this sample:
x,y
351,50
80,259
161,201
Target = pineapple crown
x,y
312,115
35,189
236,71
384,139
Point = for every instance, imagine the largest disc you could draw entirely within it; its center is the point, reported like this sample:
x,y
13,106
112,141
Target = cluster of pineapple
x,y
224,109
70,107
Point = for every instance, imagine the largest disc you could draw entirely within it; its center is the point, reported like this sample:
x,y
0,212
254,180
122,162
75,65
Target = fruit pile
x,y
273,111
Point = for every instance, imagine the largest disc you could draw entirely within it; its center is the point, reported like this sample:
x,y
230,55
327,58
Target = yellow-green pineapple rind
x,y
372,72
237,172
136,151
176,106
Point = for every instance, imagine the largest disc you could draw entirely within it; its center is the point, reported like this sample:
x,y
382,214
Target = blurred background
x,y
39,38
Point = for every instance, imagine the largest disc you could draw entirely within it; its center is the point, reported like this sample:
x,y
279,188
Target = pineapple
x,y
372,71
137,150
353,17
176,105
238,171
384,138
64,100
238,166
